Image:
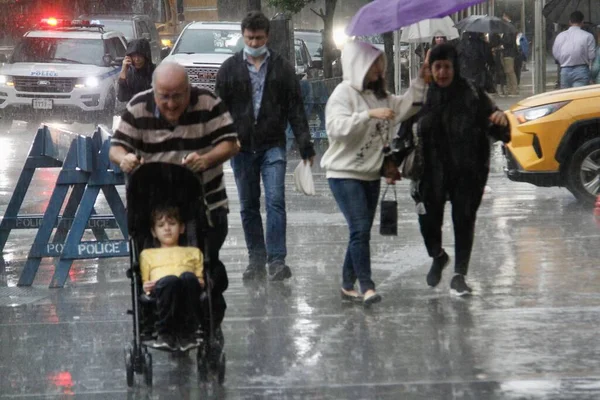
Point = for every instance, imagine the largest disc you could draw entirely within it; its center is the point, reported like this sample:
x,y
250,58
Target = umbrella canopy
x,y
485,24
560,10
382,16
426,30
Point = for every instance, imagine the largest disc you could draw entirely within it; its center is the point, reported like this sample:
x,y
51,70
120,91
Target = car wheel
x,y
583,173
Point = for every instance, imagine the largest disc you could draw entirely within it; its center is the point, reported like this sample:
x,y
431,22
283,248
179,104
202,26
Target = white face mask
x,y
252,52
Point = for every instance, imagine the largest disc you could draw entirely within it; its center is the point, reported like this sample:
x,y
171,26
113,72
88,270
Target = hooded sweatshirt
x,y
356,141
137,80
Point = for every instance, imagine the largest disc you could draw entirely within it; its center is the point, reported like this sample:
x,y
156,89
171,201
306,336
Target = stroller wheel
x,y
129,365
222,367
148,368
202,364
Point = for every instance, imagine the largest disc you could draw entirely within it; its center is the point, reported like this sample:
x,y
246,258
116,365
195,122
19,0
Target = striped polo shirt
x,y
204,124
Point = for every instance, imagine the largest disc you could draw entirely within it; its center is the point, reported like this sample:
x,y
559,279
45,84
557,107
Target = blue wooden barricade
x,y
85,168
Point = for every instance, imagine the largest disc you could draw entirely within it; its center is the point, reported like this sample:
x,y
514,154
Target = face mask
x,y
252,52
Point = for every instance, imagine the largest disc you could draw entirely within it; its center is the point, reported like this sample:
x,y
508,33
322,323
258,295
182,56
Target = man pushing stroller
x,y
178,124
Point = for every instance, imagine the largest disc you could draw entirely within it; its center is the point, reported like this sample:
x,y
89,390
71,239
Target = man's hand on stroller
x,y
197,162
149,286
130,162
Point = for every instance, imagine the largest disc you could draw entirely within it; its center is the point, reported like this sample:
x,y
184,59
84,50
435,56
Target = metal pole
x,y
539,71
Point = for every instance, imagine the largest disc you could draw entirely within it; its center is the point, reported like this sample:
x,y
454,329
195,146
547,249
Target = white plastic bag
x,y
303,179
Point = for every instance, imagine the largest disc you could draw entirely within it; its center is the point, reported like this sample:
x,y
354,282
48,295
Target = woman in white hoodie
x,y
361,118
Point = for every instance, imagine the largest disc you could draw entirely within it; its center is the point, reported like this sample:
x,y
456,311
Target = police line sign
x,y
100,249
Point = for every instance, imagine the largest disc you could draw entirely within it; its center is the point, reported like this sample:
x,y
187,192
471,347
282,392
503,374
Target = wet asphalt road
x,y
529,332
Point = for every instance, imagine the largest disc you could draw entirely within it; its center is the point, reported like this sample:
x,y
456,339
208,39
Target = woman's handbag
x,y
411,166
389,214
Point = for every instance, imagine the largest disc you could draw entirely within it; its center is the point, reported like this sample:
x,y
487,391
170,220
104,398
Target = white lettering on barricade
x,y
52,248
28,223
99,248
99,223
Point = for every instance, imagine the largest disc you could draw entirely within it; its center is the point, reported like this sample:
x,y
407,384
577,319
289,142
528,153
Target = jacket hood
x,y
357,58
140,46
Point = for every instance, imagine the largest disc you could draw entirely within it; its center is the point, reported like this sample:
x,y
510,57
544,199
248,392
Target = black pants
x,y
465,193
178,303
215,238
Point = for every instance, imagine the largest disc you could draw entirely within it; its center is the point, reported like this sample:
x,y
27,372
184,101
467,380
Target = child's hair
x,y
166,211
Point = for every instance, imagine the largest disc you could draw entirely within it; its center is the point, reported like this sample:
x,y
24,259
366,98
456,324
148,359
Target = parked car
x,y
313,40
202,47
556,141
62,68
133,26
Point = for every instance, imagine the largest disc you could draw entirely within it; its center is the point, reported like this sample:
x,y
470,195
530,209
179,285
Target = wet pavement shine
x,y
528,332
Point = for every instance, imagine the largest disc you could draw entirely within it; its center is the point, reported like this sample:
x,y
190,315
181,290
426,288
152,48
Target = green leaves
x,y
291,6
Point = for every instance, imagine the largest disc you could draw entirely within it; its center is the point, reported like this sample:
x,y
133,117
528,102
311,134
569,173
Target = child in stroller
x,y
172,262
174,276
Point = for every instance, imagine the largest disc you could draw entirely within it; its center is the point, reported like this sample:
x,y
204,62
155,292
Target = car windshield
x,y
59,50
313,42
213,41
125,27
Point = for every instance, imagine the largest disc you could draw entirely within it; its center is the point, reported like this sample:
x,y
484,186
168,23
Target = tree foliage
x,y
291,6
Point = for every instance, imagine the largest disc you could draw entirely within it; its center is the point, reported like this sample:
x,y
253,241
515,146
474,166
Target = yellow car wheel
x,y
583,172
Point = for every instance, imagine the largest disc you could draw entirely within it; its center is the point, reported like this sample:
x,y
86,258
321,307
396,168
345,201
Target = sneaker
x,y
351,295
254,271
187,342
165,341
458,286
279,271
435,272
371,297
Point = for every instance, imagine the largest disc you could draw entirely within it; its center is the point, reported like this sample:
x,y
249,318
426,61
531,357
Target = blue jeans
x,y
248,168
358,202
574,76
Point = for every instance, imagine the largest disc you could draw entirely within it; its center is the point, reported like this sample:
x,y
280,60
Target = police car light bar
x,y
65,23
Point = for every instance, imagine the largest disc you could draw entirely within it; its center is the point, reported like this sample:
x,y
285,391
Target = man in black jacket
x,y
262,94
137,69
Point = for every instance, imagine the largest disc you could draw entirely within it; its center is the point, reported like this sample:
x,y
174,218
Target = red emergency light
x,y
53,22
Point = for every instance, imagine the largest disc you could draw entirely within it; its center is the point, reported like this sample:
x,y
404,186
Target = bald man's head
x,y
171,90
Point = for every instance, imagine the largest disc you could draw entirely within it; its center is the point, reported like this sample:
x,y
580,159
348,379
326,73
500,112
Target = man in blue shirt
x,y
262,94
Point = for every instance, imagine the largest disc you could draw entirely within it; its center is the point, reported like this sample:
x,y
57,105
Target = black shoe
x,y
351,295
371,299
279,271
187,342
166,341
435,272
458,286
254,271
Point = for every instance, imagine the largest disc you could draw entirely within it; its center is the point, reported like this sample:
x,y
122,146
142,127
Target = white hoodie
x,y
355,144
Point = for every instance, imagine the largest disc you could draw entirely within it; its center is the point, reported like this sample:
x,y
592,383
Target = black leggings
x,y
465,194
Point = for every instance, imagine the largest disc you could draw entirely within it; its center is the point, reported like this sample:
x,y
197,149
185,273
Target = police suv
x,y
62,68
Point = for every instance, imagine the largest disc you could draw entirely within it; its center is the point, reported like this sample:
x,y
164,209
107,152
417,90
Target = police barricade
x,y
315,94
85,169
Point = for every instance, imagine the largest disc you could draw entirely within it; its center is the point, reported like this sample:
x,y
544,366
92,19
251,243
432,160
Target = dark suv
x,y
133,26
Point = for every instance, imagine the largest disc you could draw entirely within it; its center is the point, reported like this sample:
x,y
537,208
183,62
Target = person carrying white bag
x,y
303,179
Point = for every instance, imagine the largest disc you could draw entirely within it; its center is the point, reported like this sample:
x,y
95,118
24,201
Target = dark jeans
x,y
248,168
358,202
178,303
465,193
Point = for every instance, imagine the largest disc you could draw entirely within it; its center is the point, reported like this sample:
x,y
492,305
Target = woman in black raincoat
x,y
457,122
137,70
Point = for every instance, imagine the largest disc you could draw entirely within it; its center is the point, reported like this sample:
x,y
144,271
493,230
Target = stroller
x,y
150,186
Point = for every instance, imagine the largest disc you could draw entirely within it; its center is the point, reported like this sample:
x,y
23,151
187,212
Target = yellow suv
x,y
556,141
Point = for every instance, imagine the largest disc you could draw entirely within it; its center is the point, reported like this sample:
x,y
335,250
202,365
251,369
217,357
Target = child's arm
x,y
145,268
199,266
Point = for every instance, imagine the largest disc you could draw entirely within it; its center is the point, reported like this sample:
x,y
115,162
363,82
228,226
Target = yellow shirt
x,y
160,262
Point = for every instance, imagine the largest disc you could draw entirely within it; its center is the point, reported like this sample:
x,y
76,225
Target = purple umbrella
x,y
382,16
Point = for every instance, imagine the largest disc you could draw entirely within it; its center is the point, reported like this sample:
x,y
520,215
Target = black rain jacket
x,y
137,80
281,102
